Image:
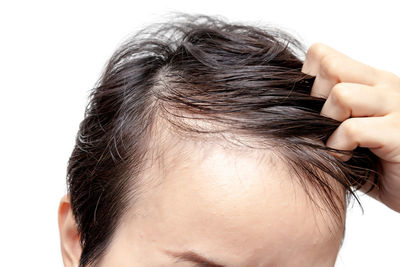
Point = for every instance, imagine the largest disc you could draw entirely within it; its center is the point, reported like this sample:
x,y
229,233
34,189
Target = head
x,y
201,143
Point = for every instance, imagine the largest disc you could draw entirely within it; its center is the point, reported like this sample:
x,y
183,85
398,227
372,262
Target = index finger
x,y
332,65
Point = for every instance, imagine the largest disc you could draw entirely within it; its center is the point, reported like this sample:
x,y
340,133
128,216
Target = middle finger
x,y
347,100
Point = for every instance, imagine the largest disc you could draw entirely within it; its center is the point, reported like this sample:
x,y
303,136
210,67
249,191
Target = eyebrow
x,y
193,257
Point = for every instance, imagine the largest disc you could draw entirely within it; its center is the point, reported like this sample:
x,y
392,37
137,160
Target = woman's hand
x,y
367,102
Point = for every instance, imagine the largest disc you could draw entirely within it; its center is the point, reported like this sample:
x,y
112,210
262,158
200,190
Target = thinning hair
x,y
234,78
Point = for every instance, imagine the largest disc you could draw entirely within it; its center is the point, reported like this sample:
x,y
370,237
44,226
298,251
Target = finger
x,y
387,186
369,188
333,65
376,133
322,86
347,100
315,52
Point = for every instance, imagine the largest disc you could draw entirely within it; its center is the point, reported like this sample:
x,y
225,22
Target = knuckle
x,y
340,93
317,50
329,65
350,128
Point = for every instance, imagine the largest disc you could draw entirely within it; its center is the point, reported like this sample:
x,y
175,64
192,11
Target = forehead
x,y
239,205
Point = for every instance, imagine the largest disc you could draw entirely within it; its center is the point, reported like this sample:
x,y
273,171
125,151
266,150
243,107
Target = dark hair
x,y
242,79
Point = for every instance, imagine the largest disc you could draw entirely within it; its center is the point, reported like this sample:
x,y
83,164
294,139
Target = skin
x,y
244,209
367,102
236,207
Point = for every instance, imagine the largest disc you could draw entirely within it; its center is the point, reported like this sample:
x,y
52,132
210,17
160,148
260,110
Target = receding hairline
x,y
171,147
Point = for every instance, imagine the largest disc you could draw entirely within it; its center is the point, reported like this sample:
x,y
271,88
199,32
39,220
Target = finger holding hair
x,y
367,103
347,100
331,67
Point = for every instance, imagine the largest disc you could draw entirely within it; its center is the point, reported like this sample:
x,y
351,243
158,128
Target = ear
x,y
69,237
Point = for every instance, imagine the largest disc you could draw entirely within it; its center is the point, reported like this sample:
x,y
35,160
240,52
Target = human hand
x,y
367,102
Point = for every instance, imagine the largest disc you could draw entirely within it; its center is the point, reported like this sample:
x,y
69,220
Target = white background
x,y
51,54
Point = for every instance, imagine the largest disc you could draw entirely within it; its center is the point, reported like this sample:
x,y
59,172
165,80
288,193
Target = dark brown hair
x,y
243,79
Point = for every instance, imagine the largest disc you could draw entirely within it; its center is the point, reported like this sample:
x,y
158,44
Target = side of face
x,y
233,207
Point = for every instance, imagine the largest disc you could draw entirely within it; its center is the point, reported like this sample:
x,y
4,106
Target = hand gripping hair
x,y
201,78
